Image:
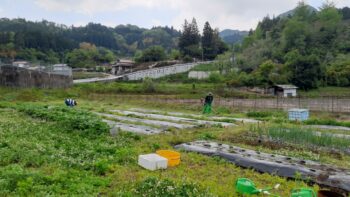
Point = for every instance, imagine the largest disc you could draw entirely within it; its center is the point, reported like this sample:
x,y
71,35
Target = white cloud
x,y
90,7
232,13
342,3
240,14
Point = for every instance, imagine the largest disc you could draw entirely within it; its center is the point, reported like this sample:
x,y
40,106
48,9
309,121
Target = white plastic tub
x,y
153,162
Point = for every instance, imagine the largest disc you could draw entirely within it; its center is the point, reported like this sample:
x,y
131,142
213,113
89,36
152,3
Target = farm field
x,y
49,149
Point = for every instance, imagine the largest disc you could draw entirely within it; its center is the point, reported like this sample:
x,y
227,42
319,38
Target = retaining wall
x,y
20,77
155,73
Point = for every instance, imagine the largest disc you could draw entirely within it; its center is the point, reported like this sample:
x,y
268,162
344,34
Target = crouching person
x,y
70,102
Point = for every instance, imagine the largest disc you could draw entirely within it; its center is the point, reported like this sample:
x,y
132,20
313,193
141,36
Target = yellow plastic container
x,y
172,156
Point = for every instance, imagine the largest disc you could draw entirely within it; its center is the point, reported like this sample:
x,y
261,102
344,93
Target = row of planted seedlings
x,y
299,136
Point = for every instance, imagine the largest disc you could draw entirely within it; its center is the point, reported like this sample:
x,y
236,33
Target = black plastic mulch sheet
x,y
279,165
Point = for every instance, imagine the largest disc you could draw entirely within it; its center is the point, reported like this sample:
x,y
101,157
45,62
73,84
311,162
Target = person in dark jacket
x,y
70,102
207,103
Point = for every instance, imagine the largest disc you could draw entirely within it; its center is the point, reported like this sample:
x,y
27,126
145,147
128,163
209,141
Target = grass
x,y
206,67
326,92
330,122
41,154
42,158
85,75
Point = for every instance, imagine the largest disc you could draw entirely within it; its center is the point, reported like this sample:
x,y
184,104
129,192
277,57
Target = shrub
x,y
215,77
259,114
148,85
154,187
187,58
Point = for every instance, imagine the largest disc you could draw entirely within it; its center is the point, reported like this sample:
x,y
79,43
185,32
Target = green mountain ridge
x,y
308,49
290,13
231,36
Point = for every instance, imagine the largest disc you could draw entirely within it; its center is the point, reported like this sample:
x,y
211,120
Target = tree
x,y
220,46
88,55
346,13
152,54
208,42
189,39
175,54
306,70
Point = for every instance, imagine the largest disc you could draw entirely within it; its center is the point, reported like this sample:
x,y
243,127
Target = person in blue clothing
x,y
70,102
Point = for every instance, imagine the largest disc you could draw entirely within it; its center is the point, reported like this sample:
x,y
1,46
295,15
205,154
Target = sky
x,y
222,14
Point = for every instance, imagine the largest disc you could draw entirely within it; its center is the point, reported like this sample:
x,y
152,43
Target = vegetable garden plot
x,y
329,127
244,120
309,138
324,175
132,128
149,122
175,119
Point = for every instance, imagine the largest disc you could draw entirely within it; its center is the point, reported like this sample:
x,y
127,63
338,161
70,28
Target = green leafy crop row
x,y
70,118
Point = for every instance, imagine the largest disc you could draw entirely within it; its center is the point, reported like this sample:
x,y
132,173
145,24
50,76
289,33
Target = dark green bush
x,y
259,114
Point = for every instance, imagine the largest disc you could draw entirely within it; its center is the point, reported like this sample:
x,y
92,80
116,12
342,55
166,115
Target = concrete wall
x,y
20,77
155,73
200,74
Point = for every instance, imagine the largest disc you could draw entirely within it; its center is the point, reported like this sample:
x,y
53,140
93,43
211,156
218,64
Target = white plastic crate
x,y
153,162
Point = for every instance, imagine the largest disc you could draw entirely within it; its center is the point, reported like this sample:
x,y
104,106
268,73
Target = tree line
x,y
49,42
191,45
94,44
307,48
206,46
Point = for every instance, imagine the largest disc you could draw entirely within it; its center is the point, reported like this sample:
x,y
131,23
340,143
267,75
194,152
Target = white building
x,y
21,64
283,90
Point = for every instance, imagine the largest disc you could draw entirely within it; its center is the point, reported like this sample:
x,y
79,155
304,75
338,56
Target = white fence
x,y
155,73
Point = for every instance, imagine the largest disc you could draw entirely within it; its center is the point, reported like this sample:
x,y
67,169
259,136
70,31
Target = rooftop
x,y
286,86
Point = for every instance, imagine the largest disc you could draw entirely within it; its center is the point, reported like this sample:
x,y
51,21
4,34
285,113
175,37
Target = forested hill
x,y
48,42
308,49
233,36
